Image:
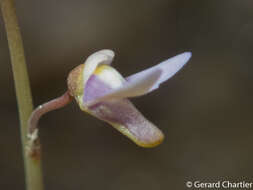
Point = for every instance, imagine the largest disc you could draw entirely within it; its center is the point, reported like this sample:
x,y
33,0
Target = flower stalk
x,y
32,166
33,145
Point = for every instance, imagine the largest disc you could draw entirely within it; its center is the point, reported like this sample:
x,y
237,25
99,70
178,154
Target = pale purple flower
x,y
101,91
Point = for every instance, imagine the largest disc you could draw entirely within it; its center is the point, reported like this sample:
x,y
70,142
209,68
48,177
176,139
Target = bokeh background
x,y
205,111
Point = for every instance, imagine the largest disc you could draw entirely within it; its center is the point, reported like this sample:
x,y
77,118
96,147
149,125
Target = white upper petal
x,y
137,87
168,67
100,57
145,81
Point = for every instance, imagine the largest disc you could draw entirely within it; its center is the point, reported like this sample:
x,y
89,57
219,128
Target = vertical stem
x,y
33,170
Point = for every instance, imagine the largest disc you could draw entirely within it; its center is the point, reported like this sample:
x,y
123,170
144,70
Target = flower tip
x,y
187,55
103,56
143,134
107,52
153,143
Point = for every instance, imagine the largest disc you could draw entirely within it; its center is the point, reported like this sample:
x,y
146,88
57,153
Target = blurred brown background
x,y
205,111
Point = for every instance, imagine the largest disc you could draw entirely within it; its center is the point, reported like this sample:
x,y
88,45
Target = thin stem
x,y
33,144
33,169
54,104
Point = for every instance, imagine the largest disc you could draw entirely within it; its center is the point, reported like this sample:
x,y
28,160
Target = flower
x,y
102,91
